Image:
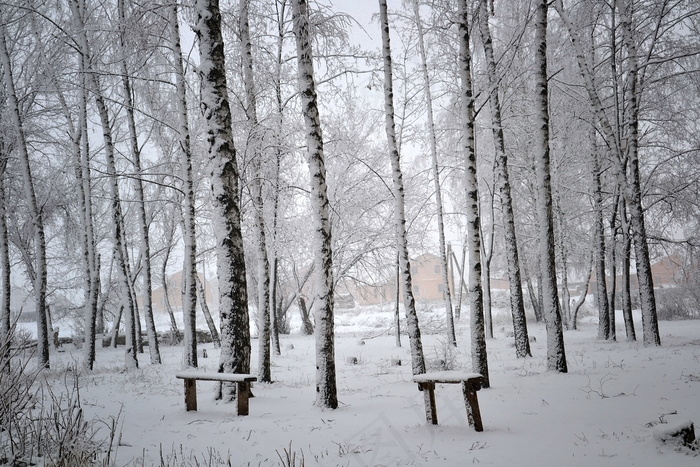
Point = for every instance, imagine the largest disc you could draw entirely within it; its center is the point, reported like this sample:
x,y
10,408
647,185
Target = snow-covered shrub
x,y
42,425
676,303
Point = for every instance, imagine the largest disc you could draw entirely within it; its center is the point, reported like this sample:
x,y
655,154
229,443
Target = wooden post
x,y
243,394
469,388
190,394
430,408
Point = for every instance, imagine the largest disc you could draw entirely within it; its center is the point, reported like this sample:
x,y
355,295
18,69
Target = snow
x,y
203,375
603,412
445,377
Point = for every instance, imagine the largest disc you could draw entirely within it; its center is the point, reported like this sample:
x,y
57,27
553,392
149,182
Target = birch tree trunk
x,y
90,256
39,265
412,327
255,142
650,324
475,294
279,139
130,357
631,186
231,272
326,392
517,305
141,216
630,333
5,283
436,176
189,299
556,355
202,295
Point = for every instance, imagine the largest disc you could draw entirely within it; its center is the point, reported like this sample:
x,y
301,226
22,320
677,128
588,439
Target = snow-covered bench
x,y
191,378
471,382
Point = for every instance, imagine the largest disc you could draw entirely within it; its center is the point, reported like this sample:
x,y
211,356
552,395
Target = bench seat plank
x,y
446,377
208,376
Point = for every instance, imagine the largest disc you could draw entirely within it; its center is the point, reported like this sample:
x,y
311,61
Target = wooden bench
x,y
471,382
191,378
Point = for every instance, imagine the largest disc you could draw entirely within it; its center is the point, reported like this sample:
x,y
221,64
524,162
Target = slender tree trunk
x,y
231,272
142,222
207,313
189,299
556,355
397,301
436,176
6,284
326,393
626,286
255,143
413,329
476,296
517,305
307,328
274,323
279,140
612,334
619,154
650,324
40,277
582,298
601,282
91,258
131,360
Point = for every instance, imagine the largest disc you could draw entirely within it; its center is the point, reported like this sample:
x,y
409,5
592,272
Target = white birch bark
x,y
255,143
130,356
436,175
619,154
326,392
153,346
517,305
650,325
630,333
475,290
202,296
83,171
5,268
556,354
412,326
189,302
224,176
39,262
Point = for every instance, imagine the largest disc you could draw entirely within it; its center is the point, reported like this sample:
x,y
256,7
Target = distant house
x,y
426,275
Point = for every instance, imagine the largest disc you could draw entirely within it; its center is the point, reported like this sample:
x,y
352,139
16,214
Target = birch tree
x,y
432,137
254,147
556,355
5,267
475,290
39,278
142,222
517,305
224,177
412,327
189,299
326,392
624,160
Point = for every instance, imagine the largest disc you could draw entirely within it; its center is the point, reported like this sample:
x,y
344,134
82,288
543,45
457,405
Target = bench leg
x,y
472,403
243,395
190,394
429,397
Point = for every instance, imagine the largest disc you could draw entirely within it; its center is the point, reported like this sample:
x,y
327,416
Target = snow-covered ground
x,y
604,412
